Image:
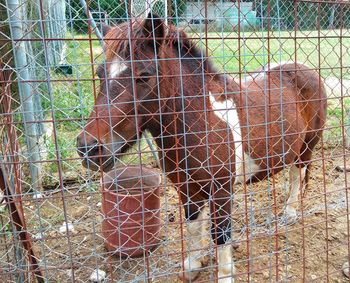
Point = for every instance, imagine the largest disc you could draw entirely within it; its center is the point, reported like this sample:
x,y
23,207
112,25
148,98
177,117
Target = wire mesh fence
x,y
170,141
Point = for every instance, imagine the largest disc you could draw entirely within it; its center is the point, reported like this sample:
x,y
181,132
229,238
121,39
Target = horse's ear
x,y
104,29
185,43
153,28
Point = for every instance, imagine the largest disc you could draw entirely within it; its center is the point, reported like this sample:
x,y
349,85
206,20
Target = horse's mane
x,y
117,42
189,51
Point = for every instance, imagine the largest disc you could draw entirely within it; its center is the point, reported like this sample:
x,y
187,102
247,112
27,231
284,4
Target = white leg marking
x,y
250,168
226,264
296,179
227,112
192,263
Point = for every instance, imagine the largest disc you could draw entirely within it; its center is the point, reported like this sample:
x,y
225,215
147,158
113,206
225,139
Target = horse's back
x,y
280,113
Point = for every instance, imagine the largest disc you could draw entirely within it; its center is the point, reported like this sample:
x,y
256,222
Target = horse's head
x,y
128,78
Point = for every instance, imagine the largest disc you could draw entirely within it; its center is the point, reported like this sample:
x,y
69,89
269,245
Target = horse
x,y
213,133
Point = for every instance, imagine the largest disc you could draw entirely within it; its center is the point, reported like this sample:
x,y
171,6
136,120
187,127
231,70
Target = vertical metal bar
x,y
166,12
244,94
54,121
285,185
161,148
303,262
322,146
15,12
208,126
230,139
177,142
271,184
132,40
347,135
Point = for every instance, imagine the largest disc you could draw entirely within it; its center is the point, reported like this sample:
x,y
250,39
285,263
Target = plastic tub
x,y
131,209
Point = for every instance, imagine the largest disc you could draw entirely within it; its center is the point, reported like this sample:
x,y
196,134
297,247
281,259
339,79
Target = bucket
x,y
131,210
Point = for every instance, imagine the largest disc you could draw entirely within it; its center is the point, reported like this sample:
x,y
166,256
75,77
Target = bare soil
x,y
313,249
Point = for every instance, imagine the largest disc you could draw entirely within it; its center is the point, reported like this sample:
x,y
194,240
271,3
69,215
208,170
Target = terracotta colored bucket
x,y
131,209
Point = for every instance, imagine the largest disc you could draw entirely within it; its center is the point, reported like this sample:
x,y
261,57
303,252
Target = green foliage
x,y
337,111
178,7
62,146
6,50
116,10
159,8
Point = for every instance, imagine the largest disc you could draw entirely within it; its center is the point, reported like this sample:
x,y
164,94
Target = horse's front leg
x,y
196,221
220,209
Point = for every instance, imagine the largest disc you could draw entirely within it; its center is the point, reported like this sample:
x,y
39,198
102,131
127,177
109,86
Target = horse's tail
x,y
312,102
309,83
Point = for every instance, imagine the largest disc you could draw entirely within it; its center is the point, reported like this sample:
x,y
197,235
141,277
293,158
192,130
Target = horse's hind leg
x,y
296,180
196,222
220,209
299,174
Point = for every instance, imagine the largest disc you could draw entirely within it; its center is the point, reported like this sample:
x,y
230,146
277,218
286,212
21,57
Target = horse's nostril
x,y
93,150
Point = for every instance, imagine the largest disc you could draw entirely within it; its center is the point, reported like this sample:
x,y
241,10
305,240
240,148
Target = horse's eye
x,y
143,78
100,72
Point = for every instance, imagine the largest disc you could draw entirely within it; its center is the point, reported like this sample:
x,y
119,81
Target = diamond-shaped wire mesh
x,y
206,115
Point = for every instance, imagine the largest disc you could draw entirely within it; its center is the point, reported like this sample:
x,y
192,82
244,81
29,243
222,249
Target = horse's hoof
x,y
191,268
345,269
226,279
289,216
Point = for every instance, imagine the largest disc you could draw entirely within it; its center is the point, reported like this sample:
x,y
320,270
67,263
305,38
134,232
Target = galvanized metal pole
x,y
166,12
15,11
92,21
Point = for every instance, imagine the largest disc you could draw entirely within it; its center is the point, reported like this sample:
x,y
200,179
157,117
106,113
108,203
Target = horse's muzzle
x,y
96,156
88,149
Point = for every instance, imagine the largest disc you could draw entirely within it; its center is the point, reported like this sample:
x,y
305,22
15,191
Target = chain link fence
x,y
57,217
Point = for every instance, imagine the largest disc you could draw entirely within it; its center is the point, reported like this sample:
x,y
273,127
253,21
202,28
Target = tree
x,y
116,9
177,8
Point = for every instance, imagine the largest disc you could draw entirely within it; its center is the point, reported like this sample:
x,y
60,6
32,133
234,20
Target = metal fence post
x,y
16,11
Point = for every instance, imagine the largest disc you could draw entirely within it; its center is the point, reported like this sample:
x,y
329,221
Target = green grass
x,y
253,52
73,98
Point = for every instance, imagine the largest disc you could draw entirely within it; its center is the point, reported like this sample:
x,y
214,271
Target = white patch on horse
x,y
116,68
227,112
250,168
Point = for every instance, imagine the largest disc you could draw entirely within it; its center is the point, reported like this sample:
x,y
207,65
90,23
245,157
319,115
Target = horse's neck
x,y
177,102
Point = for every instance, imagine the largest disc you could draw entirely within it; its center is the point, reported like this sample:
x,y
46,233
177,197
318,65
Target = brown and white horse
x,y
213,133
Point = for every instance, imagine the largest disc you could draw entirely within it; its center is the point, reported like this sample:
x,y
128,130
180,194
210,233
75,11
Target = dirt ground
x,y
313,249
